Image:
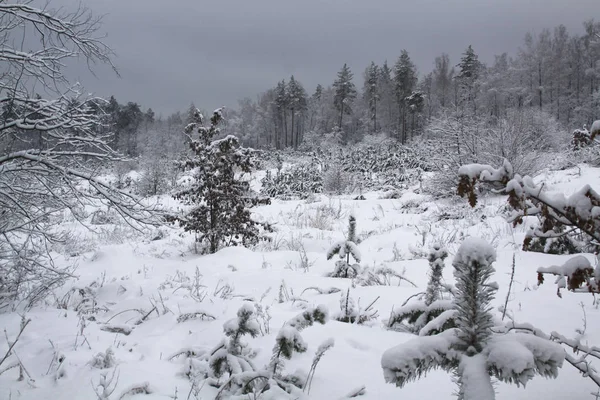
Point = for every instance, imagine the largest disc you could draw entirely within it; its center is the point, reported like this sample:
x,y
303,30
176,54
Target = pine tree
x,y
371,92
281,106
386,97
289,339
436,258
232,356
344,249
405,79
345,92
220,215
474,294
469,72
472,351
297,103
417,316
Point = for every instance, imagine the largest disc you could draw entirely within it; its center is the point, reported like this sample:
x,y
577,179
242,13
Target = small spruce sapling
x,y
232,356
416,317
289,339
345,249
351,313
473,351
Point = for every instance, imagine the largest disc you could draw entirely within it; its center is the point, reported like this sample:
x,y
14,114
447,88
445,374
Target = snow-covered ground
x,y
143,285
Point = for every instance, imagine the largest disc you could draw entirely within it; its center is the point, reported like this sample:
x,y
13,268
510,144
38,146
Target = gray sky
x,y
172,52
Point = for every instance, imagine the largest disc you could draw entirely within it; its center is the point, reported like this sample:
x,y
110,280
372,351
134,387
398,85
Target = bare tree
x,y
50,147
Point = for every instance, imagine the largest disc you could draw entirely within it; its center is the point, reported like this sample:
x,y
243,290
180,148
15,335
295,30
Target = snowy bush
x,y
472,351
581,139
297,181
345,249
576,274
104,360
336,180
232,359
523,137
157,175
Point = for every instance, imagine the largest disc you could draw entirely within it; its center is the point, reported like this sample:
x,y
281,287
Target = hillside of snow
x,y
132,291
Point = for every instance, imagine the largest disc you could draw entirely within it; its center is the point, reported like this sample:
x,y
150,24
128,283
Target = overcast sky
x,y
173,52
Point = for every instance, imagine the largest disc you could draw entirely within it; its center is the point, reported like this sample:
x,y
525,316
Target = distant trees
x,y
371,92
553,72
345,92
405,80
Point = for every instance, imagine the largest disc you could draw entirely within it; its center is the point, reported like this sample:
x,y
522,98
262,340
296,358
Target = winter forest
x,y
393,232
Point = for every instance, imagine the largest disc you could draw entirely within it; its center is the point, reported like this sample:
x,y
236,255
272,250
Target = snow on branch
x,y
559,215
576,274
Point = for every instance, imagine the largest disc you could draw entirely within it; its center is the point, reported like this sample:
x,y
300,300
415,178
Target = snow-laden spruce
x,y
422,316
220,215
344,249
472,351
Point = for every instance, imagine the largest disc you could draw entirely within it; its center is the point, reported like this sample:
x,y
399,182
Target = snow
x,y
595,127
127,271
522,354
476,381
475,249
437,323
568,268
401,361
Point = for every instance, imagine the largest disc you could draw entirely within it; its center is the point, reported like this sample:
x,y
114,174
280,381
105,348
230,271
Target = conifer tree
x,y
386,97
469,71
297,103
232,356
220,215
344,249
281,106
405,79
472,351
345,92
436,258
417,316
371,92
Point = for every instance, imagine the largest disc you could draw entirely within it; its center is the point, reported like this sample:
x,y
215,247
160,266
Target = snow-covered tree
x,y
232,359
417,316
232,356
469,72
220,198
52,140
405,80
345,92
345,249
289,339
297,103
371,92
436,258
472,351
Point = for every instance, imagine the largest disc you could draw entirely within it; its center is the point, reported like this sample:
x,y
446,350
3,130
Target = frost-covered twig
x,y
195,315
512,278
329,290
359,391
11,345
323,347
